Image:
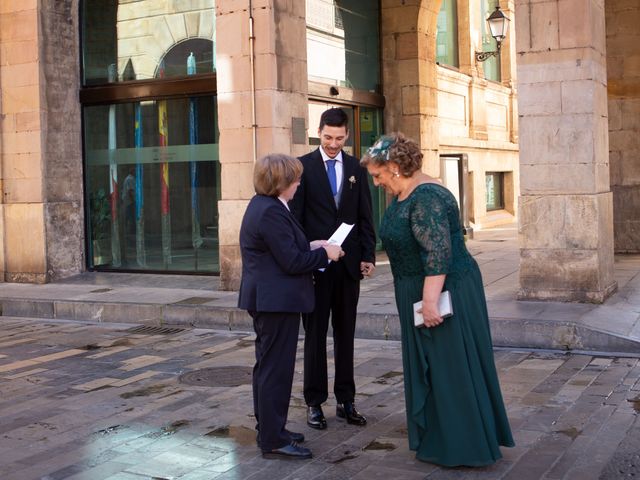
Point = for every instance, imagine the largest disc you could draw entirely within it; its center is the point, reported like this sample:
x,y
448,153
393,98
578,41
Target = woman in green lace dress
x,y
455,411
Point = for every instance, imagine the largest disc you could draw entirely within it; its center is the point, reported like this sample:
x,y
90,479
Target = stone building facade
x,y
76,126
578,102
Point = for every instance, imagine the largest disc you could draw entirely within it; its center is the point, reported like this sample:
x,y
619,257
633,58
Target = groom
x,y
334,189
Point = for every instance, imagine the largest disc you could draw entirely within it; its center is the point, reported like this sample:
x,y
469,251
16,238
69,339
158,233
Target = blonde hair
x,y
274,173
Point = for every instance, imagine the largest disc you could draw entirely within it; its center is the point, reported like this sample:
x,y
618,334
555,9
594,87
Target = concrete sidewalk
x,y
87,401
196,301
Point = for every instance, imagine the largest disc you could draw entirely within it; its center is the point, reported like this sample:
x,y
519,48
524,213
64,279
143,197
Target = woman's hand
x,y
334,252
430,314
317,244
433,285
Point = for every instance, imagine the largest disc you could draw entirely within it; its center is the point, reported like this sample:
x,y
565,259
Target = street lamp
x,y
498,24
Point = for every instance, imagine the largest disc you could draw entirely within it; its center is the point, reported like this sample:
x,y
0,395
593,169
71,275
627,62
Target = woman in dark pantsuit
x,y
276,287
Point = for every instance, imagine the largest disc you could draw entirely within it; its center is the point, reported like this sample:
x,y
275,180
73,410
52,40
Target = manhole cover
x,y
218,377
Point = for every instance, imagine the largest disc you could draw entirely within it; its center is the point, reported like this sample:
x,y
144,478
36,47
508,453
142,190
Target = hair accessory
x,y
380,149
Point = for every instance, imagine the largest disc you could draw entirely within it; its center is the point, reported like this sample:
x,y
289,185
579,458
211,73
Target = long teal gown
x,y
455,411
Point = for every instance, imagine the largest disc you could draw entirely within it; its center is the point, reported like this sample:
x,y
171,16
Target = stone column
x,y
469,21
508,67
623,68
409,74
468,36
566,224
508,51
478,109
42,221
281,105
23,233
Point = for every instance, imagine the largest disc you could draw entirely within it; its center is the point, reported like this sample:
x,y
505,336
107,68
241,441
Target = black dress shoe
x,y
315,418
294,436
293,451
348,410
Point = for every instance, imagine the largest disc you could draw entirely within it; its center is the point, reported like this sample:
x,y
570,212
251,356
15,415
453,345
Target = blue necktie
x,y
331,172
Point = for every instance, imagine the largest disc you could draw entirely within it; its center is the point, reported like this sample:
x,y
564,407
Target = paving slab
x,y
92,416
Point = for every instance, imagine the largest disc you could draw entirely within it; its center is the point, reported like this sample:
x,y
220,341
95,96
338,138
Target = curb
x,y
506,332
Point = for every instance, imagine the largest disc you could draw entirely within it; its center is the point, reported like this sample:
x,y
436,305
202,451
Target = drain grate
x,y
151,330
218,377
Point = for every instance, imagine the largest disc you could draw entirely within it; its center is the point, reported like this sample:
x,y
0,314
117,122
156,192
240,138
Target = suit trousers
x,y
276,343
336,297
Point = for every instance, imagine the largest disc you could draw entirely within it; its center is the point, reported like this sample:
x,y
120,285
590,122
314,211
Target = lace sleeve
x,y
430,228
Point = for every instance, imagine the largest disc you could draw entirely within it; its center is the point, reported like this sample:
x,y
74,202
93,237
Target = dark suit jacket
x,y
276,260
314,207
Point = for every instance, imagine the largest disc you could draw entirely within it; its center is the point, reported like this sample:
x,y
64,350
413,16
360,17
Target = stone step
x,y
506,332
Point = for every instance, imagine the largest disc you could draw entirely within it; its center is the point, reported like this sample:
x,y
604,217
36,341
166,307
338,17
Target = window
x,y
494,190
492,65
447,34
343,43
150,135
125,41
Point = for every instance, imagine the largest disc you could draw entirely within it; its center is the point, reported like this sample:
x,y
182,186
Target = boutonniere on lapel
x,y
352,181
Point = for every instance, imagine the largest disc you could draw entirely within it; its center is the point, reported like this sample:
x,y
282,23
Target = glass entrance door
x,y
370,128
152,185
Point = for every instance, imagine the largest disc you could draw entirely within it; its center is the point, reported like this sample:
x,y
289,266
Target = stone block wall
x,y
42,221
61,139
21,146
623,72
280,97
409,74
494,154
566,207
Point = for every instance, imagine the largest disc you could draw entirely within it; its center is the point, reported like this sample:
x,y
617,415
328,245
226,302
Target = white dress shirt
x,y
338,164
284,202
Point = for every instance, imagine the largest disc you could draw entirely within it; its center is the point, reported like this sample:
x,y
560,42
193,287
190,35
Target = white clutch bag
x,y
445,308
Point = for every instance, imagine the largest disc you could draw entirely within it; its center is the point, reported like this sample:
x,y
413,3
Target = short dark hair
x,y
274,173
334,117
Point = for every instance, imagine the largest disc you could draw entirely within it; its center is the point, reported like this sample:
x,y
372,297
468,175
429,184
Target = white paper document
x,y
338,236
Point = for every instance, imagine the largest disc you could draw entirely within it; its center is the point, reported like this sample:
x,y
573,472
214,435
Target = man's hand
x,y
367,268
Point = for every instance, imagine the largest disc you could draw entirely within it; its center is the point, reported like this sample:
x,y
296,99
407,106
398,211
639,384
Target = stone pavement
x,y
184,300
124,402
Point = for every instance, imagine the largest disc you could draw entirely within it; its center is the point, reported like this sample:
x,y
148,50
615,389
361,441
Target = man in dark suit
x,y
276,286
334,189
